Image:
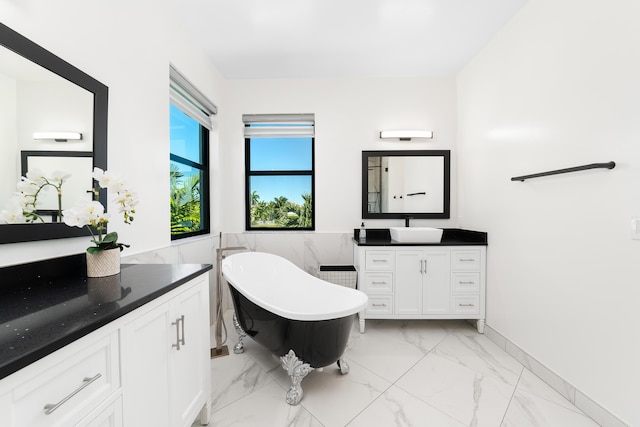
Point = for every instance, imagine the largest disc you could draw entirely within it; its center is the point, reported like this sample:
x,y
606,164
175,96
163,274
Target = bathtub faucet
x,y
220,349
220,252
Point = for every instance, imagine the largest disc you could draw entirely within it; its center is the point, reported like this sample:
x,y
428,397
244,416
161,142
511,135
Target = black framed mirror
x,y
13,42
409,183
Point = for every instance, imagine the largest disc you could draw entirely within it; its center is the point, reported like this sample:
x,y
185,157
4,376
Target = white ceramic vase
x,y
103,263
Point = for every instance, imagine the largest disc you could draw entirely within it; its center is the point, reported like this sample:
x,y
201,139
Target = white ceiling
x,y
343,38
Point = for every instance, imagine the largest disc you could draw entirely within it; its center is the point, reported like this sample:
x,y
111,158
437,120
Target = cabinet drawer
x,y
379,305
465,260
379,260
465,282
466,304
378,283
108,414
69,389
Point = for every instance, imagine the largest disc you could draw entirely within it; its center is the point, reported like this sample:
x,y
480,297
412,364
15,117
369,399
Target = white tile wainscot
x,y
422,282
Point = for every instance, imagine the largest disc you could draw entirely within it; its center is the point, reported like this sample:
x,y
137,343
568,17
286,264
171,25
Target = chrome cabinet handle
x,y
378,305
50,407
421,268
378,283
179,341
182,326
466,305
467,259
467,283
425,266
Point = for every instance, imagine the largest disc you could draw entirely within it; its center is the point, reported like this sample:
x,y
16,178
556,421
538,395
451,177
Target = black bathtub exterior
x,y
317,342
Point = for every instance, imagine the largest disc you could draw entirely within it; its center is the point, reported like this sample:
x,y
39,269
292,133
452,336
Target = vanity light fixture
x,y
58,136
406,135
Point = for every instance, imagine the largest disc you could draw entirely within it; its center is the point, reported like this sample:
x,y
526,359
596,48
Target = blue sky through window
x,y
276,154
185,135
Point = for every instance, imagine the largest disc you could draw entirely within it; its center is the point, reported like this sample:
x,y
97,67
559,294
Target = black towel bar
x,y
608,165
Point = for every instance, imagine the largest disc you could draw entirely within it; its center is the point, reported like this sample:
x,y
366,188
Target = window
x,y
279,181
190,122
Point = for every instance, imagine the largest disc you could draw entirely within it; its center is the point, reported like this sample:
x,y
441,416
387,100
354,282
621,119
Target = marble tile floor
x,y
402,373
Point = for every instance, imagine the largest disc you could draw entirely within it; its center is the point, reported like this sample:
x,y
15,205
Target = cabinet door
x,y
189,362
436,282
145,364
408,283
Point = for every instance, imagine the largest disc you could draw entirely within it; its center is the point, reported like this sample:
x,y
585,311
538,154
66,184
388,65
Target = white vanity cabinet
x,y
149,367
67,387
422,282
165,367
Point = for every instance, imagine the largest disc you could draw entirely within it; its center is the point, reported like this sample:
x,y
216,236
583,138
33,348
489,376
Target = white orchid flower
x,y
59,177
104,178
73,218
27,186
12,214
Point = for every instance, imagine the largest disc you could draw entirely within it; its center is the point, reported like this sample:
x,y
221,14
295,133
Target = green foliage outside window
x,y
185,202
280,212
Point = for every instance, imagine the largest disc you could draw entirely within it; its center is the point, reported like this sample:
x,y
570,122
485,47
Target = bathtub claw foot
x,y
297,370
239,347
344,366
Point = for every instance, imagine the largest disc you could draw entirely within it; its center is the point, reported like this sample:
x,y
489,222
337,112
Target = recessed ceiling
x,y
249,39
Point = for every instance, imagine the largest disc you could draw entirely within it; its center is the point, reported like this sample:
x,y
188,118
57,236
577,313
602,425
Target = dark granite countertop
x,y
46,305
450,237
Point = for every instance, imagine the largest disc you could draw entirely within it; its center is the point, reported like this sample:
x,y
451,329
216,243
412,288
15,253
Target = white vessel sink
x,y
416,234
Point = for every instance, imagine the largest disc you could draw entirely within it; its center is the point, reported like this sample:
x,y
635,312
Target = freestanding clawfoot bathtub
x,y
301,319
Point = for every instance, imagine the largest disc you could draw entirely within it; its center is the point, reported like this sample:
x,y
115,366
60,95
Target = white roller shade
x,y
279,125
184,95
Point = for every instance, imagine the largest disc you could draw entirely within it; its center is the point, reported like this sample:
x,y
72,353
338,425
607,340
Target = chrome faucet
x,y
406,220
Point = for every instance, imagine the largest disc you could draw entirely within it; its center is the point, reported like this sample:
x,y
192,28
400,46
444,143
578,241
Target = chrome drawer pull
x,y
379,260
467,283
379,305
50,407
466,305
467,259
378,283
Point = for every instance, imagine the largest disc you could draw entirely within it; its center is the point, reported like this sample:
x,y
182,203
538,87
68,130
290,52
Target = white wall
x,y
127,46
349,114
559,87
53,106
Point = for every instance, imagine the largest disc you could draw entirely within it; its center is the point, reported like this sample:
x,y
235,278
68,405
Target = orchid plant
x,y
23,207
91,214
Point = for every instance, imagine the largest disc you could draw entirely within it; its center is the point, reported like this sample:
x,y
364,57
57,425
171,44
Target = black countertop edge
x,y
146,283
450,237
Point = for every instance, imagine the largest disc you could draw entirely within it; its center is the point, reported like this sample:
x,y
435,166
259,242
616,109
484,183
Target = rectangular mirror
x,y
45,93
400,184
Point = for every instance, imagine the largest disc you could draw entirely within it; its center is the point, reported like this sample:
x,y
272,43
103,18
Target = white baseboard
x,y
596,412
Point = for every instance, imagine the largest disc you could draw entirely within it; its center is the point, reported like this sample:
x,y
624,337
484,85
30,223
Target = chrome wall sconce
x,y
58,136
406,135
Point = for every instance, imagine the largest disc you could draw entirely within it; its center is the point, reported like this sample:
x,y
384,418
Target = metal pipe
x,y
220,254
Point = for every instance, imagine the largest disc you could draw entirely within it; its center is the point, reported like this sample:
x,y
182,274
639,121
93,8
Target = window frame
x,y
186,97
285,172
205,210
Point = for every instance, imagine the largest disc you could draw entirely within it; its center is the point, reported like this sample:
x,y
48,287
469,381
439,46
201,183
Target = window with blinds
x,y
190,122
279,171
